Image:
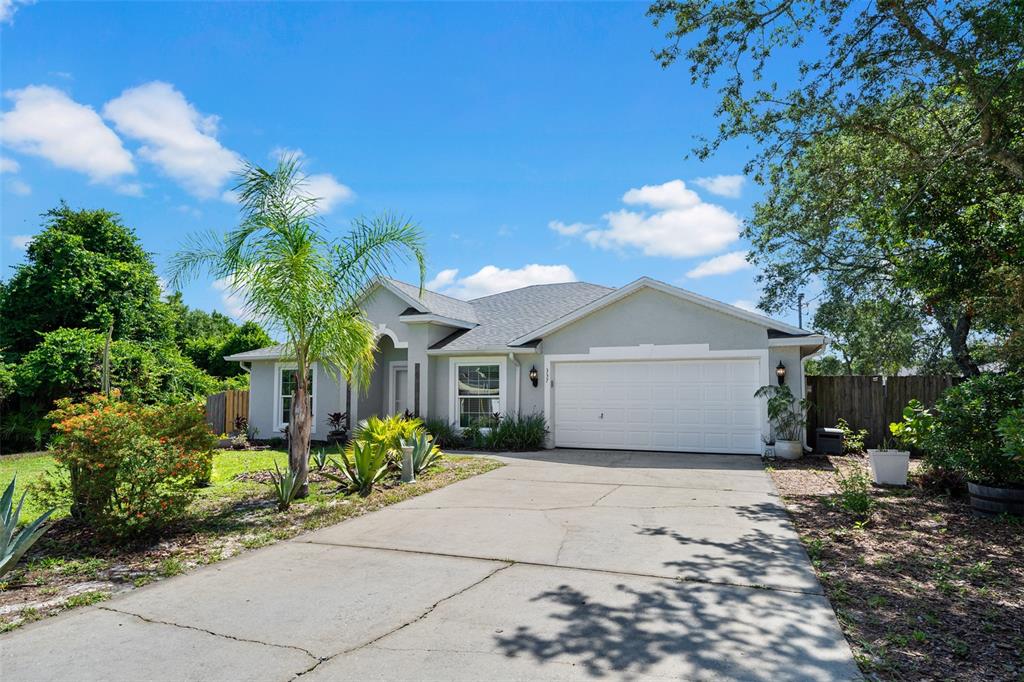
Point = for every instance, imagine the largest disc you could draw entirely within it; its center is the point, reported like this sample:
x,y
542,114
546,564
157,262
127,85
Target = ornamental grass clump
x,y
127,470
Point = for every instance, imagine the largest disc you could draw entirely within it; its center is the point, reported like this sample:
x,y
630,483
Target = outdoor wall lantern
x,y
780,372
533,375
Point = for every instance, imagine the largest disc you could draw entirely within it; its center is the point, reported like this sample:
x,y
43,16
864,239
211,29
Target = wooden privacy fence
x,y
223,408
868,402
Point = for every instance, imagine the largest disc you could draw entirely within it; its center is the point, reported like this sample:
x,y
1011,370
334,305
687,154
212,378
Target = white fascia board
x,y
809,340
647,282
430,318
498,350
381,282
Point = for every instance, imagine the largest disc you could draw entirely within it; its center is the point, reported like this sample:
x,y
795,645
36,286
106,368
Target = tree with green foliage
x,y
84,269
893,166
851,212
191,323
872,52
208,352
874,336
297,281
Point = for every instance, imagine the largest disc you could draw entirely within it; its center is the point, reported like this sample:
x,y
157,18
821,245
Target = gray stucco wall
x,y
329,397
651,316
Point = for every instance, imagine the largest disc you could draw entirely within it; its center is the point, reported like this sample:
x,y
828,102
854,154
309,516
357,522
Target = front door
x,y
399,388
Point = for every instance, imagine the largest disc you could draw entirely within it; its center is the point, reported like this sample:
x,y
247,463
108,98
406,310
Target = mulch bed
x,y
923,589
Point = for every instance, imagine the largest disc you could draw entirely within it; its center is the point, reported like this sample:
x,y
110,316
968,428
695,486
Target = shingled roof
x,y
502,317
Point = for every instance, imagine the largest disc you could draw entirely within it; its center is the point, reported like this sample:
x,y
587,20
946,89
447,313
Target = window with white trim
x,y
478,393
286,384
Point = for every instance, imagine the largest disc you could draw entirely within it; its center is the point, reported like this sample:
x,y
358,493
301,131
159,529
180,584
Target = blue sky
x,y
532,142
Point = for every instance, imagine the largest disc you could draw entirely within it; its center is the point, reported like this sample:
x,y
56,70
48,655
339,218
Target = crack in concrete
x,y
594,503
157,621
608,571
406,624
643,485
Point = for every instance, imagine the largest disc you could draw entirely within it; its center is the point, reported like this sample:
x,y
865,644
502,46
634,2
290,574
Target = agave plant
x,y
13,547
284,485
364,465
424,452
320,459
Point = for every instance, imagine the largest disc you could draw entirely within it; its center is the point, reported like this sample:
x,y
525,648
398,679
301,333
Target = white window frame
x,y
453,383
393,367
276,417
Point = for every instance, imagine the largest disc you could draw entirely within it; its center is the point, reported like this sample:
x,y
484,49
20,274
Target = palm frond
x,y
372,249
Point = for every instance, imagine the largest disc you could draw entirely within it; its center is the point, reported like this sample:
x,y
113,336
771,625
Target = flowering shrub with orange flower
x,y
127,470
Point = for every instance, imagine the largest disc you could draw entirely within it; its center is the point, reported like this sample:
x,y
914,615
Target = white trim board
x,y
648,283
696,351
453,378
276,415
393,367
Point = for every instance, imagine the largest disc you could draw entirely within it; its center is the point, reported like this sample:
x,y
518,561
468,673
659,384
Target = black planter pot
x,y
986,499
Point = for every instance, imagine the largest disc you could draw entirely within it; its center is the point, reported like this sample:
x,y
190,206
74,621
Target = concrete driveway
x,y
563,565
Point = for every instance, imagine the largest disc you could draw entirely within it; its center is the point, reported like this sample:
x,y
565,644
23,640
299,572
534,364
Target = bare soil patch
x,y
924,589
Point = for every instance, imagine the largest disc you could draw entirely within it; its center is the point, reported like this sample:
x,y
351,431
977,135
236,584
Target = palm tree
x,y
300,284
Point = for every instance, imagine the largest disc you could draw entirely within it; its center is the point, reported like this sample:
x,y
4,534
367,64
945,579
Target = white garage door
x,y
677,405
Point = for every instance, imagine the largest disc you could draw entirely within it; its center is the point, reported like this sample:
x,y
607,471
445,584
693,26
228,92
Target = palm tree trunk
x,y
298,434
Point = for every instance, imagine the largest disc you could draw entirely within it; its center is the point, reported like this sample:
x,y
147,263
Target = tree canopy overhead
x,y
972,49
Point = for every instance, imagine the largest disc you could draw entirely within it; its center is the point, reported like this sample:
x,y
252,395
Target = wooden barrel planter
x,y
986,499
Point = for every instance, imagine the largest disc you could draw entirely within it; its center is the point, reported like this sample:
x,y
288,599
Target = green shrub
x,y
126,470
387,431
512,432
854,494
13,545
853,441
966,438
362,466
284,486
1011,430
915,428
424,452
445,433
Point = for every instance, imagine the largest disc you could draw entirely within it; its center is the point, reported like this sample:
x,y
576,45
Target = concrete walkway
x,y
563,565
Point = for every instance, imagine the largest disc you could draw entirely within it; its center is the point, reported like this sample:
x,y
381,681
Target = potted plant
x,y
889,465
338,421
788,417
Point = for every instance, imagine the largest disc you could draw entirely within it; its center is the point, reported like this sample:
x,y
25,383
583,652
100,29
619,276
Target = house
x,y
647,366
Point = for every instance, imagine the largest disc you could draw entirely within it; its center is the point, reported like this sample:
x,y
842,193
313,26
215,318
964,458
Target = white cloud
x,y
176,137
46,122
723,185
670,195
232,298
328,191
16,186
725,264
570,229
20,241
491,279
747,305
9,7
130,189
8,165
680,226
442,279
279,153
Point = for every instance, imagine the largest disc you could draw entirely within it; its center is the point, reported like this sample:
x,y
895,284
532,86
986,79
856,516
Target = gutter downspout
x,y
519,371
803,378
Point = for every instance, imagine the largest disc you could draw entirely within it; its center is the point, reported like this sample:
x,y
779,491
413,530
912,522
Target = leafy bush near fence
x,y
965,437
123,469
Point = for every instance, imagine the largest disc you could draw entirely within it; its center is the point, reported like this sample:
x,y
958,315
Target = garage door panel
x,y
682,405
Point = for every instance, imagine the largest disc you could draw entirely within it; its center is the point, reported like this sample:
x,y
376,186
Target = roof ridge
x,y
431,291
533,286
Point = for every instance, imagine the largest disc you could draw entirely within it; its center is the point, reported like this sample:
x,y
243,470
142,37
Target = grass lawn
x,y
923,589
67,568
